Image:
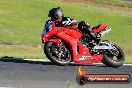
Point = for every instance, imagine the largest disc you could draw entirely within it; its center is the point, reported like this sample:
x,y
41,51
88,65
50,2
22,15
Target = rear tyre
x,y
58,55
116,59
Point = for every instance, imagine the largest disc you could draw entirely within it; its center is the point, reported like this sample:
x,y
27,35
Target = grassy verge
x,y
22,21
20,51
115,3
128,53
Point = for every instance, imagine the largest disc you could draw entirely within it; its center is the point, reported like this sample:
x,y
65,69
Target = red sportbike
x,y
64,45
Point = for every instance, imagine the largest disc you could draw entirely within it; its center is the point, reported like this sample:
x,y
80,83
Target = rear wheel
x,y
114,58
58,55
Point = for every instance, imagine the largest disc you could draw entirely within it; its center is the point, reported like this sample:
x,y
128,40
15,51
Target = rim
x,y
61,54
117,54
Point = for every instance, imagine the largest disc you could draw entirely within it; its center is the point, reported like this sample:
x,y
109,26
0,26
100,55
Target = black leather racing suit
x,y
67,21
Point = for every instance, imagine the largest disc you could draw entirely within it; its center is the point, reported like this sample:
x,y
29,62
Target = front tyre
x,y
114,58
58,55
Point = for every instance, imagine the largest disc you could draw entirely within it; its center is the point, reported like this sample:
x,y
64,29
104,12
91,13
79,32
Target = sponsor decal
x,y
85,57
83,78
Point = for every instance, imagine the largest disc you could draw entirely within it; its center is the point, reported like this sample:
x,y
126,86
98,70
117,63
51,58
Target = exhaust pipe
x,y
102,33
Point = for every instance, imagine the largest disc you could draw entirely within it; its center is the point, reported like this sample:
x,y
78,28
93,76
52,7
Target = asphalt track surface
x,y
18,73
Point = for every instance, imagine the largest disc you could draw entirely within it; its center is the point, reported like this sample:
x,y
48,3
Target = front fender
x,y
44,38
57,41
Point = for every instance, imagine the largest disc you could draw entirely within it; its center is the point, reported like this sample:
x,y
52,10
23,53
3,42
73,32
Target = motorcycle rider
x,y
58,19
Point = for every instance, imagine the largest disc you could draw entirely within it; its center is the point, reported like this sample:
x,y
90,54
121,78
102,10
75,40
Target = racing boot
x,y
84,27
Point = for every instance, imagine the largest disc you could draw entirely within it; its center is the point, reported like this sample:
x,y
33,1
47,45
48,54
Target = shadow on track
x,y
21,60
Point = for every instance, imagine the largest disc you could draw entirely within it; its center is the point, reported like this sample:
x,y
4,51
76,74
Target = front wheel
x,y
58,55
115,57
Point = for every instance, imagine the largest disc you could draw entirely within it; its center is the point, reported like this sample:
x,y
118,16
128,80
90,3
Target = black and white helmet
x,y
56,13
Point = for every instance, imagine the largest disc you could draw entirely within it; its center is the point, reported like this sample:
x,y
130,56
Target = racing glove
x,y
67,22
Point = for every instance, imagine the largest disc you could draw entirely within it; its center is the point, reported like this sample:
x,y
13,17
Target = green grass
x,y
115,3
22,21
16,51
